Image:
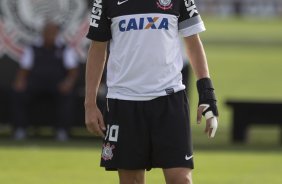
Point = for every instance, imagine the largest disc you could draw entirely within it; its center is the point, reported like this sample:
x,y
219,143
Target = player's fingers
x,y
210,131
101,122
91,127
94,128
213,127
102,127
100,132
207,127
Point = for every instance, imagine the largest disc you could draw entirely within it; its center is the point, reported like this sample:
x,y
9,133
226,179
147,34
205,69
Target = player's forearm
x,y
197,56
94,69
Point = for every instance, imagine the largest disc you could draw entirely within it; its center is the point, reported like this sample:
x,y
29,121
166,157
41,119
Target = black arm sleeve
x,y
188,10
100,24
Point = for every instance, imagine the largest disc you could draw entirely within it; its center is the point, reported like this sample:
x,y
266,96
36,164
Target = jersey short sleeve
x,y
189,22
100,25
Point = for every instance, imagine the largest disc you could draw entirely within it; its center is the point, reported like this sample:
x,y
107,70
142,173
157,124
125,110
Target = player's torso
x,y
145,55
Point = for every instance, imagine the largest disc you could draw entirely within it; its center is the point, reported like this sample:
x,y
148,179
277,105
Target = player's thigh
x,y
172,118
127,144
178,175
131,176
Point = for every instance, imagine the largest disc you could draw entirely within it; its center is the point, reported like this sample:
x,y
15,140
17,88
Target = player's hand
x,y
94,120
207,106
211,120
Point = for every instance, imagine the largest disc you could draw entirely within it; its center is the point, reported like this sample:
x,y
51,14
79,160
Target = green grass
x,y
243,30
245,63
47,162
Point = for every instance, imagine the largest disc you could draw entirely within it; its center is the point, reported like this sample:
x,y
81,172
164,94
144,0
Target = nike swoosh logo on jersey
x,y
188,158
121,2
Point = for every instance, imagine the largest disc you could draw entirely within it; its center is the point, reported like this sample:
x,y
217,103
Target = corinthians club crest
x,y
164,4
107,152
21,22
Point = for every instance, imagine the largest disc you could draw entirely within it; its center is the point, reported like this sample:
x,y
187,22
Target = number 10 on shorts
x,y
112,133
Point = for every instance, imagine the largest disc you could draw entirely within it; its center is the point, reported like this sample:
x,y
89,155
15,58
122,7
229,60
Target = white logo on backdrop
x,y
21,22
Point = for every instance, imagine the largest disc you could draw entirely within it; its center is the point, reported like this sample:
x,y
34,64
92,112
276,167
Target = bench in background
x,y
246,113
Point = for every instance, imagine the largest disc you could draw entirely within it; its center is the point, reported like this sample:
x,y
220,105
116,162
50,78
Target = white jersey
x,y
145,58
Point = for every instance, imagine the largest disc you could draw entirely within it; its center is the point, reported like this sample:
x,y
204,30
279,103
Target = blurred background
x,y
243,44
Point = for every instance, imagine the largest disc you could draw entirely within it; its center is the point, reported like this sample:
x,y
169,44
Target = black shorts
x,y
148,134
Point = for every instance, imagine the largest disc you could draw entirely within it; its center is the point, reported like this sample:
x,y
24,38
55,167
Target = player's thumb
x,y
199,114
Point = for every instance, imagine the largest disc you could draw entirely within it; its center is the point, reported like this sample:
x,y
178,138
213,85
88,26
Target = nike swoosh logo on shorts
x,y
121,2
188,158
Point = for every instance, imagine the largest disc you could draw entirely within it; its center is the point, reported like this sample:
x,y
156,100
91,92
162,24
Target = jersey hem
x,y
119,96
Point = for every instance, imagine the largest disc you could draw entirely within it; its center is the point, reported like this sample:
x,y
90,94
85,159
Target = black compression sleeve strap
x,y
205,90
204,83
207,95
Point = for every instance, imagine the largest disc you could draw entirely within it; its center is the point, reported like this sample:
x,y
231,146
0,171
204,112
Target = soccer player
x,y
146,123
47,68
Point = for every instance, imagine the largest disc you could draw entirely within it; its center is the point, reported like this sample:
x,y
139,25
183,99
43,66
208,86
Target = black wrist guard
x,y
207,95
